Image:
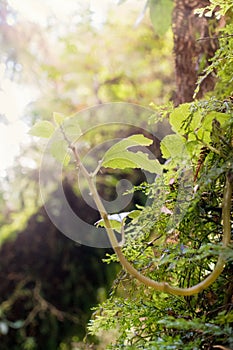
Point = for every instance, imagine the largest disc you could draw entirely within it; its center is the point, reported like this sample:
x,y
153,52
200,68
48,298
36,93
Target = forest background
x,y
67,64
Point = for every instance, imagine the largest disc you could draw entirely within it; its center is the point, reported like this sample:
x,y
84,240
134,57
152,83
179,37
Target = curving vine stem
x,y
163,286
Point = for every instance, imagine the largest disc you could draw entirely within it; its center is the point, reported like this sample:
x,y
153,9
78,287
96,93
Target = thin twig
x,y
43,305
215,37
18,292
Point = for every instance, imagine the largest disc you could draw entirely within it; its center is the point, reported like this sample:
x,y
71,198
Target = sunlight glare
x,y
13,131
15,97
32,10
11,137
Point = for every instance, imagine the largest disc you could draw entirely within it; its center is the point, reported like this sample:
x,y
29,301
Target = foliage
x,y
71,75
119,157
135,68
178,237
32,314
180,248
218,7
221,63
184,250
161,14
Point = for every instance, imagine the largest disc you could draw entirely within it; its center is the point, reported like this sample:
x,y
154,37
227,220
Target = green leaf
x,y
71,129
178,116
173,146
205,127
59,151
58,118
117,220
118,157
134,140
207,122
161,15
138,160
199,125
116,225
119,163
43,129
134,214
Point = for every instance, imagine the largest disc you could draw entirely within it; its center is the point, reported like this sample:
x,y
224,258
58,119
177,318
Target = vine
x,y
186,119
163,286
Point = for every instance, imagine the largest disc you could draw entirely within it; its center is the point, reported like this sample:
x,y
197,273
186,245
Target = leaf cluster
x,y
177,238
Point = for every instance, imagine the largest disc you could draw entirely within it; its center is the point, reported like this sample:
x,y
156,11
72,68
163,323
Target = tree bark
x,y
191,55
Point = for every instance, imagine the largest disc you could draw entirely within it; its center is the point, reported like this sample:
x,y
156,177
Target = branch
x,y
215,37
18,292
163,286
43,305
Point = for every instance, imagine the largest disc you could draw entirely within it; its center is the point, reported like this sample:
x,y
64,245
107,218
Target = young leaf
x,y
173,146
126,159
115,224
118,157
117,220
134,140
58,118
204,133
178,116
71,129
134,214
59,151
161,15
43,129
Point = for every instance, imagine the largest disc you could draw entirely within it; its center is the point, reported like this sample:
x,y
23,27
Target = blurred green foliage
x,y
178,237
87,66
71,75
48,284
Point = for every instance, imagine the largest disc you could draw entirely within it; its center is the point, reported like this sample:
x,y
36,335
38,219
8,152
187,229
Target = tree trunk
x,y
191,55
